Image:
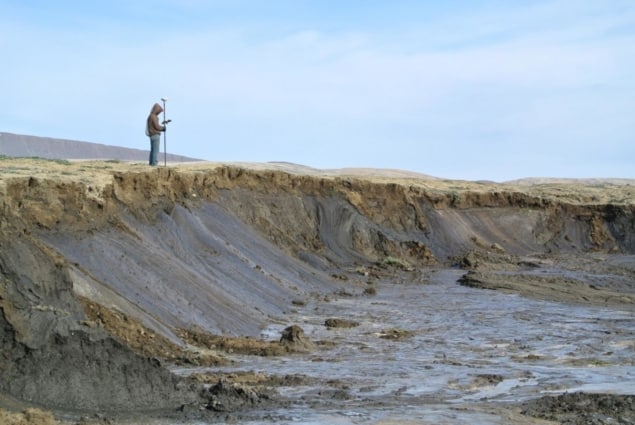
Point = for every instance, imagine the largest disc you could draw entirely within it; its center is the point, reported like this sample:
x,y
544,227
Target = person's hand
x,y
166,122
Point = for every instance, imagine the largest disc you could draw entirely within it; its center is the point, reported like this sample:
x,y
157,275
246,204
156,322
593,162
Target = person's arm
x,y
155,123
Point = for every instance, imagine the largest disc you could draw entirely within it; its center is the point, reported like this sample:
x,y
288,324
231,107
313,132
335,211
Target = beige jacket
x,y
153,121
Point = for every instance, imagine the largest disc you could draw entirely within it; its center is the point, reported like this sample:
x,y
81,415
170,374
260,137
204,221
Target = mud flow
x,y
445,353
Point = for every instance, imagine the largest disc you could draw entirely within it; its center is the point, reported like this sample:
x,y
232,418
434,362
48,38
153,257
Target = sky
x,y
463,89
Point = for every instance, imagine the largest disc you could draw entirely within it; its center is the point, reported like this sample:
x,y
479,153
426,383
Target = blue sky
x,y
467,89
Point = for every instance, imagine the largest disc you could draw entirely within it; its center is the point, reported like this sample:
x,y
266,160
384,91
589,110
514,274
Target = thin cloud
x,y
516,81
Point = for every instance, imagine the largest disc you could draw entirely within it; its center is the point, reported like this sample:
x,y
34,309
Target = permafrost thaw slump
x,y
235,252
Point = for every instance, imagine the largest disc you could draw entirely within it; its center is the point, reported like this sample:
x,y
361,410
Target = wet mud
x,y
470,356
583,409
265,297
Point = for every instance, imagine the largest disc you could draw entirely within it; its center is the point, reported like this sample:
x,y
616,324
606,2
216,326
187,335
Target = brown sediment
x,y
27,417
145,341
554,288
292,340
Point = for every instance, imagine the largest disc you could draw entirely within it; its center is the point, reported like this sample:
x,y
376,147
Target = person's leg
x,y
150,156
155,142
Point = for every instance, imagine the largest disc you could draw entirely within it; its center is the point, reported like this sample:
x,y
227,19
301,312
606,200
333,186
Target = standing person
x,y
153,130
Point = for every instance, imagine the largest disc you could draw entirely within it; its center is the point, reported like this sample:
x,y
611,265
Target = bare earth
x,y
569,241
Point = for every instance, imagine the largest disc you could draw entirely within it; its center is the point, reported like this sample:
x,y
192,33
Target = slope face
x,y
51,356
228,250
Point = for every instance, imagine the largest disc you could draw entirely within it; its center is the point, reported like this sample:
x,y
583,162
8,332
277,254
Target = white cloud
x,y
524,81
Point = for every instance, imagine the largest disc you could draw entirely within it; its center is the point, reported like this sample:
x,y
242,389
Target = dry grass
x,y
97,174
28,417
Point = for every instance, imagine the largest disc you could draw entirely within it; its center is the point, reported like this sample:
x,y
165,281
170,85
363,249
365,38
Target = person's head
x,y
157,109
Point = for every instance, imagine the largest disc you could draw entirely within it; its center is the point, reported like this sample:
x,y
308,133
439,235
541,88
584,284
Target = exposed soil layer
x,y
109,271
28,417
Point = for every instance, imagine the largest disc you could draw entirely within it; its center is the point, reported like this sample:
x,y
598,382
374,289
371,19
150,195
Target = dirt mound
x,y
145,341
291,340
225,396
294,339
567,286
28,417
583,409
340,323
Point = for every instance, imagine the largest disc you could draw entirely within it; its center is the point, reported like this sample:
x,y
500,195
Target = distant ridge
x,y
531,181
18,145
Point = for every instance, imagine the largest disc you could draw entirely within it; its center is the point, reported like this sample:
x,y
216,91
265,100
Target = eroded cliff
x,y
227,250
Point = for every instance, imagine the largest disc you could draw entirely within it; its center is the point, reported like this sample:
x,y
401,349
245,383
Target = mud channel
x,y
434,352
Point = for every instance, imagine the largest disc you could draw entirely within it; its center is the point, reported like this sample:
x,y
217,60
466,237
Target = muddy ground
x,y
593,279
110,272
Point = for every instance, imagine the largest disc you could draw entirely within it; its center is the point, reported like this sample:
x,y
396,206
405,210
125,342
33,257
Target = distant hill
x,y
18,145
531,181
